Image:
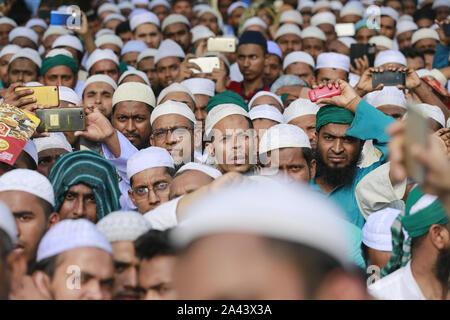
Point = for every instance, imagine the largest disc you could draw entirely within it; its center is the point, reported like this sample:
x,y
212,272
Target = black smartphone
x,y
61,119
388,78
447,29
359,50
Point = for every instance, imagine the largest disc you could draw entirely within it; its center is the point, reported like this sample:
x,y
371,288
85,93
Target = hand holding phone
x,y
44,95
388,78
324,92
61,119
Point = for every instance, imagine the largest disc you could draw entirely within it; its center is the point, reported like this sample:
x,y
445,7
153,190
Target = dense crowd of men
x,y
228,183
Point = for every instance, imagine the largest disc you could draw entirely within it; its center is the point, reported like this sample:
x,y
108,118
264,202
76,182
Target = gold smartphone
x,y
61,119
45,95
221,45
416,133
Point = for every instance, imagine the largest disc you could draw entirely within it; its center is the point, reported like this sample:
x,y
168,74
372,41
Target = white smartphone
x,y
345,29
221,45
206,64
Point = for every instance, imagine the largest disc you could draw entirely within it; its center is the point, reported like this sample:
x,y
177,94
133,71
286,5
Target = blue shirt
x,y
369,123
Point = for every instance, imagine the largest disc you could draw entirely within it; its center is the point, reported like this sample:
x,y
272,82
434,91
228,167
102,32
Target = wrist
x,y
360,91
353,104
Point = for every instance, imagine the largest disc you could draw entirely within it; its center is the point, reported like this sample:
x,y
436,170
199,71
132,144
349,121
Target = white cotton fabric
x,y
291,16
147,17
322,18
109,39
138,73
298,108
283,136
28,53
55,140
169,48
174,18
101,54
389,56
208,170
221,111
123,226
200,86
9,49
100,78
172,107
424,33
134,91
151,157
174,87
266,111
264,93
288,29
333,60
23,32
68,40
69,95
313,32
298,56
150,52
377,229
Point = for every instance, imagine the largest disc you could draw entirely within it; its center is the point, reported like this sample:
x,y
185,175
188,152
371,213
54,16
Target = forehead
x,y
289,37
89,259
149,62
336,44
178,96
5,27
387,20
110,46
231,122
192,179
170,120
98,87
266,100
6,57
59,70
425,42
313,42
250,49
290,155
208,15
12,197
130,55
299,67
146,27
133,78
151,175
335,129
104,64
175,27
22,63
306,119
81,189
131,107
332,73
52,152
168,61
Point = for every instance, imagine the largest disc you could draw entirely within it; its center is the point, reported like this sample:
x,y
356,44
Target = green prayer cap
x,y
59,60
422,211
226,97
333,114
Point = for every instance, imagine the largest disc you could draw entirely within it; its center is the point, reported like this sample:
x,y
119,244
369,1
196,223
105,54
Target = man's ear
x,y
440,236
209,146
130,194
312,169
43,284
53,219
152,141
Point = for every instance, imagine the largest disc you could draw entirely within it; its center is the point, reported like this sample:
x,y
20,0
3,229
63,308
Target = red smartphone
x,y
325,92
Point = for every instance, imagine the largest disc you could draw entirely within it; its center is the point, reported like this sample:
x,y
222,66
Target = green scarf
x,y
59,60
333,114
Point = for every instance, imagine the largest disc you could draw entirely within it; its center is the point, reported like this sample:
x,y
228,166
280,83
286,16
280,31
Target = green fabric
x,y
333,114
123,67
59,60
284,96
91,169
226,97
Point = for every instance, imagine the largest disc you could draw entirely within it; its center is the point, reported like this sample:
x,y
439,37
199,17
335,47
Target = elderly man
x,y
98,91
59,68
29,196
103,62
157,264
145,27
426,249
133,103
300,64
173,126
149,172
85,186
176,27
168,61
78,246
122,228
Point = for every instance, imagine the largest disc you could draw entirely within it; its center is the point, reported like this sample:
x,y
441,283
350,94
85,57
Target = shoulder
x,y
387,288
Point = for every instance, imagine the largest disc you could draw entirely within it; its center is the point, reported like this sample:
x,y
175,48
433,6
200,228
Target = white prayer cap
x,y
448,123
146,17
172,107
138,73
221,111
107,7
134,91
174,18
109,39
201,32
151,157
114,16
299,107
382,41
298,56
270,209
55,140
264,93
320,5
33,84
125,5
36,22
439,76
273,48
351,9
103,32
29,181
155,3
100,78
377,229
23,32
101,54
123,226
208,9
235,5
60,51
333,60
288,29
313,32
136,11
133,46
404,26
174,87
440,3
68,40
200,86
169,48
28,53
208,170
137,2
54,30
433,112
291,16
283,136
149,52
389,95
389,56
69,95
6,20
254,21
305,4
336,5
347,41
390,12
8,223
70,234
266,111
322,18
199,7
424,33
9,49
404,17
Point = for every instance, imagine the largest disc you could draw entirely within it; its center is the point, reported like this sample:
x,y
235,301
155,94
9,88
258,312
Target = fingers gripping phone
x,y
61,119
359,50
45,95
324,92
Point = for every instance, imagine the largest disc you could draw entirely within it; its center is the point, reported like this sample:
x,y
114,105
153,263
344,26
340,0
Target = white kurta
x,y
399,285
164,216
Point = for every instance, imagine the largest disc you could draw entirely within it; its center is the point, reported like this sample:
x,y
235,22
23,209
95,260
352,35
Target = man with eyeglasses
x,y
150,173
173,129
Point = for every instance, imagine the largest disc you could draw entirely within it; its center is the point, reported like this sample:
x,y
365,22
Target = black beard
x,y
336,176
442,266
